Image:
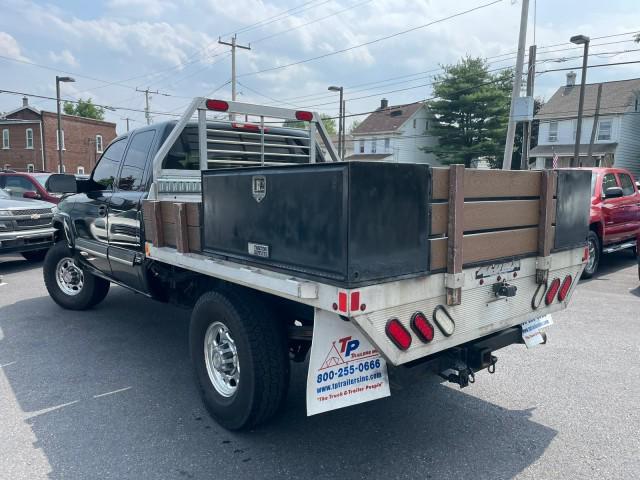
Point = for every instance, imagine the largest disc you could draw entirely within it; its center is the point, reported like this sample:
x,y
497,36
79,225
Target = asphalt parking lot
x,y
108,393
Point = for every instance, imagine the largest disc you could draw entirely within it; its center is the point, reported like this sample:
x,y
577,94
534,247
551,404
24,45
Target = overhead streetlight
x,y
60,135
580,40
341,145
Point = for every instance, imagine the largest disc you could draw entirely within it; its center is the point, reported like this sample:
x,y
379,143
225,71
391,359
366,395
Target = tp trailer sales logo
x,y
352,371
259,187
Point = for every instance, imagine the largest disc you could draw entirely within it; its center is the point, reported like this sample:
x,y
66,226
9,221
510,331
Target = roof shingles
x,y
388,119
617,97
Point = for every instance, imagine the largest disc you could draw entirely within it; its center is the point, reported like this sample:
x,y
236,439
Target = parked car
x,y
25,226
615,214
28,185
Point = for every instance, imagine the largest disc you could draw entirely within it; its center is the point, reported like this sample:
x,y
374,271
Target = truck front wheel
x,y
239,352
68,284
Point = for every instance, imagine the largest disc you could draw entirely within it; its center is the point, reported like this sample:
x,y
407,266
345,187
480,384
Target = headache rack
x,y
260,139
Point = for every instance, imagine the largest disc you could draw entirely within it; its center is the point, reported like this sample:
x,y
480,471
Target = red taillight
x,y
304,116
218,105
398,334
564,289
422,327
551,293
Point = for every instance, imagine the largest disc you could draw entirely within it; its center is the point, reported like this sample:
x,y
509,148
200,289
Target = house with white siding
x,y
617,131
394,134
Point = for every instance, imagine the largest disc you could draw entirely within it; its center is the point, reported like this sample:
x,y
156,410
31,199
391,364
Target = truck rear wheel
x,y
68,284
593,242
239,352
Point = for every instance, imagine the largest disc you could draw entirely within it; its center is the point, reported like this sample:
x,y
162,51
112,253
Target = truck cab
x,y
614,216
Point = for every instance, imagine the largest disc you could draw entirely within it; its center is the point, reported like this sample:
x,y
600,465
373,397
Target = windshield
x,y
42,179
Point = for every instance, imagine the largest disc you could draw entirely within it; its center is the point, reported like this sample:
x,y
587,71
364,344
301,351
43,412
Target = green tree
x,y
354,125
471,112
84,108
329,123
535,127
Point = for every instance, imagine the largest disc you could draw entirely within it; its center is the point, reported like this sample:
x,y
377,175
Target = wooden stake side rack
x,y
496,214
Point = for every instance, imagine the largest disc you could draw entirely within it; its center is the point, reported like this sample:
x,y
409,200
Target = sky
x,y
114,47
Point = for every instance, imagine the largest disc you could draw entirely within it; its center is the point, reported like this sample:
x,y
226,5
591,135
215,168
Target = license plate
x,y
532,330
498,269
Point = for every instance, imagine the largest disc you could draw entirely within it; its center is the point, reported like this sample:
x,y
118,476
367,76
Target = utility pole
x,y
580,40
595,124
233,44
127,119
517,83
528,126
147,113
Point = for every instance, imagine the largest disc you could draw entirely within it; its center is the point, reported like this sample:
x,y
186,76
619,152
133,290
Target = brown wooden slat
x,y
182,235
157,232
193,213
547,212
481,247
489,183
488,215
169,231
455,219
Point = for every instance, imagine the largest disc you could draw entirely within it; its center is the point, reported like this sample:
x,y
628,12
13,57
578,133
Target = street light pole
x,y
59,133
580,40
340,120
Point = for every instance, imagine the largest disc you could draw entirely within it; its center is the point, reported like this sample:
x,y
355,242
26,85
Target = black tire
x,y
35,255
93,291
594,247
261,345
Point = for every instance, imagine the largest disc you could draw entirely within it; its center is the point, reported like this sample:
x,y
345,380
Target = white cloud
x,y
149,8
65,56
9,47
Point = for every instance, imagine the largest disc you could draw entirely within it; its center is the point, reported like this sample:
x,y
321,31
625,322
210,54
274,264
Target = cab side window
x,y
609,181
132,174
106,171
627,184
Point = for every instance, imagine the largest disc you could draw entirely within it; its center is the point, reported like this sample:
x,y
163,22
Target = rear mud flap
x,y
344,367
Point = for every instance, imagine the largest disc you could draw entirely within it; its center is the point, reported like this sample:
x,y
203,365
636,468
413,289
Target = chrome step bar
x,y
618,247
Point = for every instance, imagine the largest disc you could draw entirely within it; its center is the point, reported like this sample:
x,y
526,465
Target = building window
x,y
29,138
7,166
361,146
58,140
553,132
415,122
387,144
374,145
604,129
5,138
98,143
80,170
30,168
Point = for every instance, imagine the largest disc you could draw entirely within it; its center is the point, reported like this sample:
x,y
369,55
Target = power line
x,y
377,40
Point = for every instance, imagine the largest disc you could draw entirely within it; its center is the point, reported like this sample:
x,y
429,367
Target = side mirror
x,y
613,192
30,194
62,183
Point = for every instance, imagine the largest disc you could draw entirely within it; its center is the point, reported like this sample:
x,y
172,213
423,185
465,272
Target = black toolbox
x,y
348,223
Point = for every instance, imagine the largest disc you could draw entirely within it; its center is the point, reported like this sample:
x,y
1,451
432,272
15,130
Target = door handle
x,y
102,211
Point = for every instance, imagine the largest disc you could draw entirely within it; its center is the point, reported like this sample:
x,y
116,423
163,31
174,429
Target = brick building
x,y
29,140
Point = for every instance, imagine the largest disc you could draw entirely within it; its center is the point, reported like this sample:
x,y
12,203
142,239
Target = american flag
x,y
555,160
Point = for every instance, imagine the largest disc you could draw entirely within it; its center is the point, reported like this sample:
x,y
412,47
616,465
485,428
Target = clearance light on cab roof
x,y
217,105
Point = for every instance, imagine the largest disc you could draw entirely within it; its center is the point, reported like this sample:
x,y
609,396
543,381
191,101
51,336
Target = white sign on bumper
x,y
344,368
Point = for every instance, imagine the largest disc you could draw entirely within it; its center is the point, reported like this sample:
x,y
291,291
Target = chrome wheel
x,y
221,359
591,262
69,277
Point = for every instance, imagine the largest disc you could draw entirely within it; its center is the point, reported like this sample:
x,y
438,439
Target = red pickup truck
x,y
614,216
